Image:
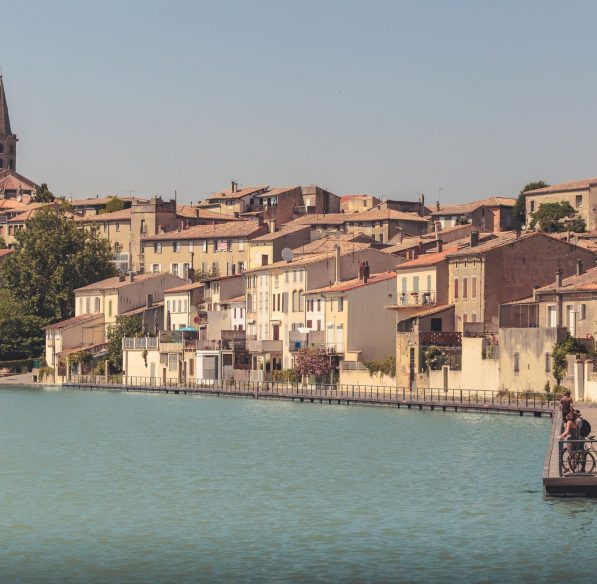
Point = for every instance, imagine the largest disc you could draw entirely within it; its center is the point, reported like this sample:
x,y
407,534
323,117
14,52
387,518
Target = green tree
x,y
43,195
114,204
53,257
554,217
21,334
519,209
569,346
3,243
125,326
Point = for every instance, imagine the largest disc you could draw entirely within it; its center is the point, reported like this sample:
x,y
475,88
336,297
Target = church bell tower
x,y
8,140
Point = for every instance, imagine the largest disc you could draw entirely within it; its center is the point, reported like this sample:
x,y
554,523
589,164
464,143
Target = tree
x,y
560,350
53,257
554,217
519,209
114,204
43,195
312,361
435,358
3,243
125,326
21,334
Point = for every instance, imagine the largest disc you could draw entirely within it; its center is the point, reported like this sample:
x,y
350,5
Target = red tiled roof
x,y
93,201
11,180
354,283
283,232
190,212
427,311
574,185
586,281
426,259
115,282
81,319
184,288
474,205
215,231
122,215
239,194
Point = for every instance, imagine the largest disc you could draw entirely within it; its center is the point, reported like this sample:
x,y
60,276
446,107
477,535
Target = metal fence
x,y
578,458
365,393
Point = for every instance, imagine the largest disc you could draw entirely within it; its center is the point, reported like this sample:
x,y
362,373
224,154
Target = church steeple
x,y
8,140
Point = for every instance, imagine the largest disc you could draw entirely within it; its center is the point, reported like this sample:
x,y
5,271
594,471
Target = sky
x,y
391,98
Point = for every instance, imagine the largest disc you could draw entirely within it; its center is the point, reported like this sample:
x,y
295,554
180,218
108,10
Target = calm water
x,y
98,487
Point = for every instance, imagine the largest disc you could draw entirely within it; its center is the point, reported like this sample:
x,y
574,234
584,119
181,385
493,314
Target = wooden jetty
x,y
556,481
432,399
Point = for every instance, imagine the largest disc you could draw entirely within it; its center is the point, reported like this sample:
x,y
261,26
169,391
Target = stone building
x,y
8,140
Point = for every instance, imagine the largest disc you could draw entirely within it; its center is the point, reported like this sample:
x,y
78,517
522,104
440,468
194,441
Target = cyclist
x,y
571,432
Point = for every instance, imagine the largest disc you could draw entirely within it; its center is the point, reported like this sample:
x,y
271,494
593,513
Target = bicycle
x,y
579,461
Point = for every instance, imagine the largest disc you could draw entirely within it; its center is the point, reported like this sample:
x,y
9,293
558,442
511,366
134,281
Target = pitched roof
x,y
426,259
190,212
360,217
30,210
494,243
215,231
474,205
93,201
239,194
427,311
586,281
346,241
75,320
573,185
14,182
184,288
12,205
122,215
115,282
354,283
283,232
299,261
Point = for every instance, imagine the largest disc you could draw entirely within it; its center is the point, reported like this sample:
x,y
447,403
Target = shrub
x,y
385,367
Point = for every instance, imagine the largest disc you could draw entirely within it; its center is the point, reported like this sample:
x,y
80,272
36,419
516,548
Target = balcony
x,y
415,298
440,339
139,343
264,346
298,340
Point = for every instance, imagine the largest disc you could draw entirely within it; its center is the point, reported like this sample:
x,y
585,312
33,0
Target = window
x,y
241,267
241,245
176,246
185,270
294,301
301,301
191,246
582,311
547,363
464,288
204,247
404,284
455,288
429,283
276,281
172,362
157,247
286,277
174,269
319,305
579,200
117,226
415,283
474,317
464,318
109,308
294,275
516,363
143,227
532,206
474,287
88,305
105,227
155,268
340,304
223,245
97,304
180,306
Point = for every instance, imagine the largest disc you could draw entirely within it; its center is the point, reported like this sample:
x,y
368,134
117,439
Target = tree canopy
x,y
43,195
519,210
125,326
312,361
114,204
554,217
21,335
52,258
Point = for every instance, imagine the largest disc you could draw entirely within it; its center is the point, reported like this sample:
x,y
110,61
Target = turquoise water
x,y
98,487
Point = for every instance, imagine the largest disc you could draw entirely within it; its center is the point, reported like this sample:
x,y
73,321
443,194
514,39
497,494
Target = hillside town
x,y
253,283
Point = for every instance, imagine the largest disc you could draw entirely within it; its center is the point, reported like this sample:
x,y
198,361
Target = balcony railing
x,y
440,339
139,343
416,298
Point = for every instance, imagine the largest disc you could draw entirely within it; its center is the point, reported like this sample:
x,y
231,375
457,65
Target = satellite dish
x,y
287,254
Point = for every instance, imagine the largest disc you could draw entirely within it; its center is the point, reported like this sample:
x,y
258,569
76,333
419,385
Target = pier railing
x,y
531,401
578,458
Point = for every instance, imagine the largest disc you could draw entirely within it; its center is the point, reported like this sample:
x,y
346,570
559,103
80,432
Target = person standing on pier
x,y
566,405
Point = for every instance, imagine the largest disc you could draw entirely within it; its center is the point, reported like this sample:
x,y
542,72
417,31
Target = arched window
x,y
294,301
301,301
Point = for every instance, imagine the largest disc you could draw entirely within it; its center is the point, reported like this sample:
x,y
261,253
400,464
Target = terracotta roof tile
x,y
354,283
190,212
474,205
81,319
184,288
122,215
574,185
115,282
426,259
215,231
586,281
239,194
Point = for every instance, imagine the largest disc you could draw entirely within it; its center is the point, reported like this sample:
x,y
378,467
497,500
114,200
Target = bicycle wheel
x,y
569,463
589,462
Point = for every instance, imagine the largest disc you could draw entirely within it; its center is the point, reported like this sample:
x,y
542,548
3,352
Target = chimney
x,y
272,225
535,287
558,278
233,186
440,246
579,268
121,277
337,256
149,301
474,238
437,206
131,276
366,272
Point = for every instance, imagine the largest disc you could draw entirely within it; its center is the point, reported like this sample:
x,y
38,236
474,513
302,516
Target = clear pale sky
x,y
381,97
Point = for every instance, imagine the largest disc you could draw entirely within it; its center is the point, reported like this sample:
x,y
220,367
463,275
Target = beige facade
x,y
504,269
276,297
357,203
221,249
581,194
267,249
